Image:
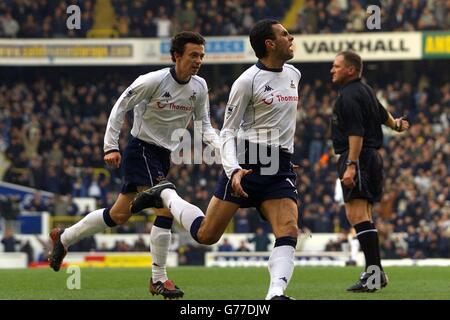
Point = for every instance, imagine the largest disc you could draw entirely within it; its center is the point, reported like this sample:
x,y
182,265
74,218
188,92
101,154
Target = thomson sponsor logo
x,y
173,106
286,98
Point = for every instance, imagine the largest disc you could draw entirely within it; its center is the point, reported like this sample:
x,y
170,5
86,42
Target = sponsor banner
x,y
114,260
308,48
260,259
371,46
218,50
436,45
116,51
67,52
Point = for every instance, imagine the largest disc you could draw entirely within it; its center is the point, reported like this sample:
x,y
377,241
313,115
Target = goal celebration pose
x,y
264,98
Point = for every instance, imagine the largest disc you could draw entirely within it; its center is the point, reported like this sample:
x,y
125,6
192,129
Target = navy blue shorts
x,y
143,164
369,176
259,188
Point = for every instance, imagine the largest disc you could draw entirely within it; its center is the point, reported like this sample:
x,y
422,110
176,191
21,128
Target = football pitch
x,y
201,283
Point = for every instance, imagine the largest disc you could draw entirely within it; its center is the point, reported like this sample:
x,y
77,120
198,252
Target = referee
x,y
357,135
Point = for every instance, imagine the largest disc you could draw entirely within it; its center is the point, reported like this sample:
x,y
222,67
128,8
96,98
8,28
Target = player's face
x,y
340,72
283,43
189,63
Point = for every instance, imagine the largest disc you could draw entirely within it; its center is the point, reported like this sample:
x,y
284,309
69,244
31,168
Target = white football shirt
x,y
161,105
261,100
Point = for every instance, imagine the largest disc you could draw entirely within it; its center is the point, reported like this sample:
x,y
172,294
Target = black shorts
x,y
143,164
369,176
282,184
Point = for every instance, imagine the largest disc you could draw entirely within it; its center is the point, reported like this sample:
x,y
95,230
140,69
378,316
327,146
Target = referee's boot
x,y
58,252
365,284
150,198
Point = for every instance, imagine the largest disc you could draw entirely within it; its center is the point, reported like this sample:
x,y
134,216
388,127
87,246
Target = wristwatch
x,y
350,162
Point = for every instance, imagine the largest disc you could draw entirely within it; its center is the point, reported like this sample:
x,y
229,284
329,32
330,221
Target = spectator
x,y
261,240
87,244
243,247
37,203
28,249
139,245
226,246
72,207
9,241
9,25
241,222
9,209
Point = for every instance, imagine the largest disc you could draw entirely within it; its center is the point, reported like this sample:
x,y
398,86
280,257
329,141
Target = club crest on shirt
x,y
293,85
194,96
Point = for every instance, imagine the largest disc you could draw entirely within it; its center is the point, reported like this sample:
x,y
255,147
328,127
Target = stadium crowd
x,y
157,18
51,130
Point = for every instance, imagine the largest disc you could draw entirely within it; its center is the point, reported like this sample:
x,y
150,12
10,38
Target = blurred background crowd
x,y
52,127
158,18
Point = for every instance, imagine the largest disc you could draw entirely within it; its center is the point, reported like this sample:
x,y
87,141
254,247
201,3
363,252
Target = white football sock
x,y
91,224
159,248
281,267
184,212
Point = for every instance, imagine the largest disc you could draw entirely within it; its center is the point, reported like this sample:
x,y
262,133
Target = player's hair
x,y
260,32
353,59
180,40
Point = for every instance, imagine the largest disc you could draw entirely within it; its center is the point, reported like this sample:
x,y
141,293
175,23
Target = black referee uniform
x,y
357,112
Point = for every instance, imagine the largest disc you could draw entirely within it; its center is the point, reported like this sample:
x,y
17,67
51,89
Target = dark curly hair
x,y
180,40
260,32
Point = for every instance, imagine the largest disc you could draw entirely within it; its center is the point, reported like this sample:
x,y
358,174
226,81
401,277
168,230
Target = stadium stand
x,y
137,18
52,130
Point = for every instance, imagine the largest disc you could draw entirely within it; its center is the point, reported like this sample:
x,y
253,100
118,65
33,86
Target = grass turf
x,y
201,283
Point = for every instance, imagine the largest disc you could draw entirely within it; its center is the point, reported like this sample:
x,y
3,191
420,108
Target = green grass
x,y
201,283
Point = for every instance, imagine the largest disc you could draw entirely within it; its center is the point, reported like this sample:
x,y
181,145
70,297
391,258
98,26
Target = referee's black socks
x,y
367,235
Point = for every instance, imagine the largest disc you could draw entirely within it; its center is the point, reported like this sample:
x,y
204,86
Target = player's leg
x,y
208,230
160,237
282,214
205,230
358,213
94,222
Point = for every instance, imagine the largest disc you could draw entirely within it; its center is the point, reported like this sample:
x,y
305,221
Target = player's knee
x,y
290,230
120,218
206,237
